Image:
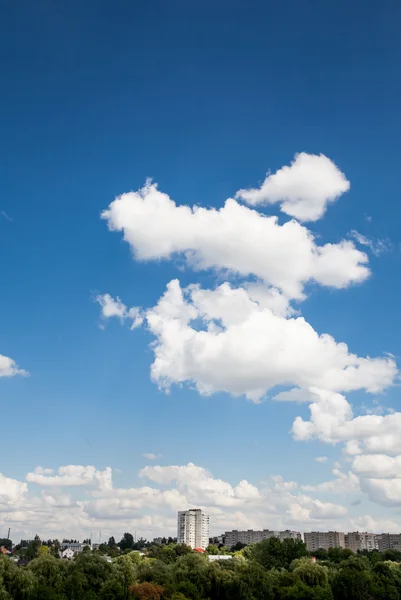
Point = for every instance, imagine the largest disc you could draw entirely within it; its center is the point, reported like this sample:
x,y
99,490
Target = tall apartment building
x,y
252,537
361,540
193,528
389,541
353,541
369,541
315,540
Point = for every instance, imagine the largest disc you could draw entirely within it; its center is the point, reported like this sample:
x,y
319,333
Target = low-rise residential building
x,y
159,541
75,546
231,538
316,540
216,557
67,553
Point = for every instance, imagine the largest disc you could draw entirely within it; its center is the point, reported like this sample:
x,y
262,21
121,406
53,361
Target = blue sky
x,y
205,100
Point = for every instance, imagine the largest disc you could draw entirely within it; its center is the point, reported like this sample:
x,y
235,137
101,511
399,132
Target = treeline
x,y
270,570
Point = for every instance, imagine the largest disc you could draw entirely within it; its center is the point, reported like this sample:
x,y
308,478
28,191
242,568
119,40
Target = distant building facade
x,y
193,528
357,540
74,546
389,541
316,540
369,541
231,538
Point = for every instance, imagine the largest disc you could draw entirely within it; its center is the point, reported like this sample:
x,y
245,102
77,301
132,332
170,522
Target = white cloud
x,y
377,465
321,459
43,471
9,368
377,247
344,483
277,504
151,456
73,475
198,485
332,421
11,491
284,257
244,348
115,308
304,188
294,395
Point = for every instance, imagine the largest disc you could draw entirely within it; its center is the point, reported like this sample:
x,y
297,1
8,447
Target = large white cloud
x,y
72,475
233,238
242,347
9,368
11,491
304,189
332,420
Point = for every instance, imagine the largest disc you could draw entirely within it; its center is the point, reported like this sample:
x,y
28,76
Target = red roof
x,y
198,549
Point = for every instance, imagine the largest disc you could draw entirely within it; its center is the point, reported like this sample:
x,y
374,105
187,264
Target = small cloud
x,y
6,216
377,247
368,218
355,503
113,307
321,459
151,456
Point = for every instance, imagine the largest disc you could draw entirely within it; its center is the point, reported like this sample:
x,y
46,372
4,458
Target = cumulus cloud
x,y
11,491
332,420
344,483
284,257
152,508
222,340
9,368
321,459
248,339
304,189
197,484
113,307
72,475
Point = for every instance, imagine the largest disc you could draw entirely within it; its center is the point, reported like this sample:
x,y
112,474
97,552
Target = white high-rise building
x,y
193,528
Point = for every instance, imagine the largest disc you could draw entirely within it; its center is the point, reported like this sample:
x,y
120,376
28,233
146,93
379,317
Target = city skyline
x,y
200,243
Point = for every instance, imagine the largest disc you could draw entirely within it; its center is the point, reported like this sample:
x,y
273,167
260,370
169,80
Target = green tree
x,y
127,572
126,542
272,553
23,585
212,549
95,569
237,546
353,581
310,573
386,581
